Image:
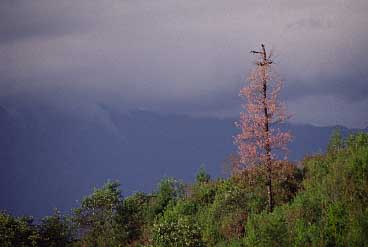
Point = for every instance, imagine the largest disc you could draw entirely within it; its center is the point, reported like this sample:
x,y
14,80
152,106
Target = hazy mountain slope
x,y
50,159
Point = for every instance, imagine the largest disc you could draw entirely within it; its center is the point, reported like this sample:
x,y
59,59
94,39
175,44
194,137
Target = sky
x,y
184,56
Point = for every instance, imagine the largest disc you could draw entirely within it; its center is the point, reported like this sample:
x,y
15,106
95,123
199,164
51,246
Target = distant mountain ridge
x,y
49,159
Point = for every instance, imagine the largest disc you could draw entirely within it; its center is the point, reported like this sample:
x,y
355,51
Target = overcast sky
x,y
185,56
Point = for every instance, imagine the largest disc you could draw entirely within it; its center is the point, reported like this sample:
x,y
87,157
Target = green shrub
x,y
177,228
267,229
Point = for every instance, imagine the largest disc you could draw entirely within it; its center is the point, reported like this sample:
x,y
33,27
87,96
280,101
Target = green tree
x,y
132,216
17,232
202,176
96,217
169,191
336,142
56,231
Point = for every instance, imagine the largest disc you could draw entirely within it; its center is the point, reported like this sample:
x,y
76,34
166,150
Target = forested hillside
x,y
320,202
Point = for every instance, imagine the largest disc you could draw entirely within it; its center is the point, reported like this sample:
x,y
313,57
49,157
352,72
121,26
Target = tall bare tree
x,y
261,139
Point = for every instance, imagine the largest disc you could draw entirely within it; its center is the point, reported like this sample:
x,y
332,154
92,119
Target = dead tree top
x,y
265,60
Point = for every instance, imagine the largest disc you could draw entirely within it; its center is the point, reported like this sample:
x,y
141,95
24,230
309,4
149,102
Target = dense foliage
x,y
321,201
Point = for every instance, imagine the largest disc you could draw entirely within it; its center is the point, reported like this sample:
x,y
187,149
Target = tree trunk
x,y
264,64
269,191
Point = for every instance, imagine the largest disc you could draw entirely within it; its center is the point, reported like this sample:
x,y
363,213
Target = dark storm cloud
x,y
184,56
351,88
26,19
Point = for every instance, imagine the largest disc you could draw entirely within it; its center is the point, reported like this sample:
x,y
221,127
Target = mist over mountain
x,y
51,159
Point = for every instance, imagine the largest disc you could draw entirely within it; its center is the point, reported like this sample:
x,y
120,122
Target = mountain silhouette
x,y
52,159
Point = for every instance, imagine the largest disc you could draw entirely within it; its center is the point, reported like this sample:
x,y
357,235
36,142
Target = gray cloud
x,y
40,19
183,56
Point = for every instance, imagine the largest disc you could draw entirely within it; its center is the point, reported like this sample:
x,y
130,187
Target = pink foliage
x,y
261,138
